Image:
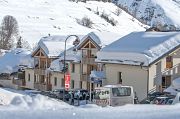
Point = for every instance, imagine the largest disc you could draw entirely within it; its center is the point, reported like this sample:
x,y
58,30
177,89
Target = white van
x,y
113,95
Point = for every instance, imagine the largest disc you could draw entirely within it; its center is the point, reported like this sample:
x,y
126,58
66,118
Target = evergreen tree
x,y
19,43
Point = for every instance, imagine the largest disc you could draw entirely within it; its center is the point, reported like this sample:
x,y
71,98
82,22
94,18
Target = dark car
x,y
153,95
61,94
81,94
161,100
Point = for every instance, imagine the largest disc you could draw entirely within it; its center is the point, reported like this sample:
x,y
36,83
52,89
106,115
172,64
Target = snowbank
x,y
6,95
26,107
38,102
124,112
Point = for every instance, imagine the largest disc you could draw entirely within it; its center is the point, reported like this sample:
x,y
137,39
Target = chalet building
x,y
47,51
82,61
148,61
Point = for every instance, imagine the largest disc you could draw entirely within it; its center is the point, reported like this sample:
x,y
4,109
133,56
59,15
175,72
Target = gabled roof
x,y
52,46
101,39
140,48
93,38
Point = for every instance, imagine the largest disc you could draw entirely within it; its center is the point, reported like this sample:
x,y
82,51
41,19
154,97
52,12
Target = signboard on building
x,y
67,81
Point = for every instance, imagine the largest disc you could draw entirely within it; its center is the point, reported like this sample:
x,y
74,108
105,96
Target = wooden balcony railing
x,y
86,60
39,71
174,72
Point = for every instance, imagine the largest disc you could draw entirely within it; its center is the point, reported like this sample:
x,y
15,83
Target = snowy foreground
x,y
18,106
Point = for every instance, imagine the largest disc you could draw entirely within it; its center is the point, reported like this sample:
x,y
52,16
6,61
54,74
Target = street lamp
x,y
75,43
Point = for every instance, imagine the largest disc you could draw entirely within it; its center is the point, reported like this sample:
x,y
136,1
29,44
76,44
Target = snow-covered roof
x,y
54,45
139,48
97,74
56,65
71,55
101,38
14,59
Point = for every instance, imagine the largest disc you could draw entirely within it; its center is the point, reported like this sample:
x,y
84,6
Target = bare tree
x,y
8,31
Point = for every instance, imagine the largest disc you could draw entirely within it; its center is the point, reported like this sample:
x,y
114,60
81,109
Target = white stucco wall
x,y
131,76
76,75
59,77
29,84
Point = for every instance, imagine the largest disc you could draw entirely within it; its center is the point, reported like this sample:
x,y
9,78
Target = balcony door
x,y
166,82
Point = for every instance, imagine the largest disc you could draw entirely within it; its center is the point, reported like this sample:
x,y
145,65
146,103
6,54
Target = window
x,y
169,62
120,77
73,68
62,82
166,81
121,91
34,78
72,84
80,84
55,81
29,77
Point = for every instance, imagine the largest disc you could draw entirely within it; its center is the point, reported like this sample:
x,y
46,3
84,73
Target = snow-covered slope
x,y
163,13
38,18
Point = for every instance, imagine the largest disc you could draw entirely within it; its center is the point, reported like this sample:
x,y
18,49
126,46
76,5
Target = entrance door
x,y
166,82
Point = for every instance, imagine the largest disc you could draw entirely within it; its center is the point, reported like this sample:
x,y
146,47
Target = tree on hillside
x,y
8,32
19,43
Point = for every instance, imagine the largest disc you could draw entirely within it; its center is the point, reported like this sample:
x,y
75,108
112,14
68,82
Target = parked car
x,y
153,95
81,94
161,100
169,102
61,94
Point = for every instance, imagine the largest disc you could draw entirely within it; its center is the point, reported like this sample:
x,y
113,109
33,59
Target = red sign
x,y
67,81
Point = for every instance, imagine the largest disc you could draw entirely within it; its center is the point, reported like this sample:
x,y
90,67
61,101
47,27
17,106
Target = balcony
x,y
42,86
86,60
40,71
174,72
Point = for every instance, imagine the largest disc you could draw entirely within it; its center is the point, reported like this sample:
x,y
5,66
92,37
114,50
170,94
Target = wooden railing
x,y
86,60
39,71
174,72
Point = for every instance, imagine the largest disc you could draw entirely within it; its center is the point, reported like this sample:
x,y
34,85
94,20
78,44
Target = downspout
x,y
147,81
